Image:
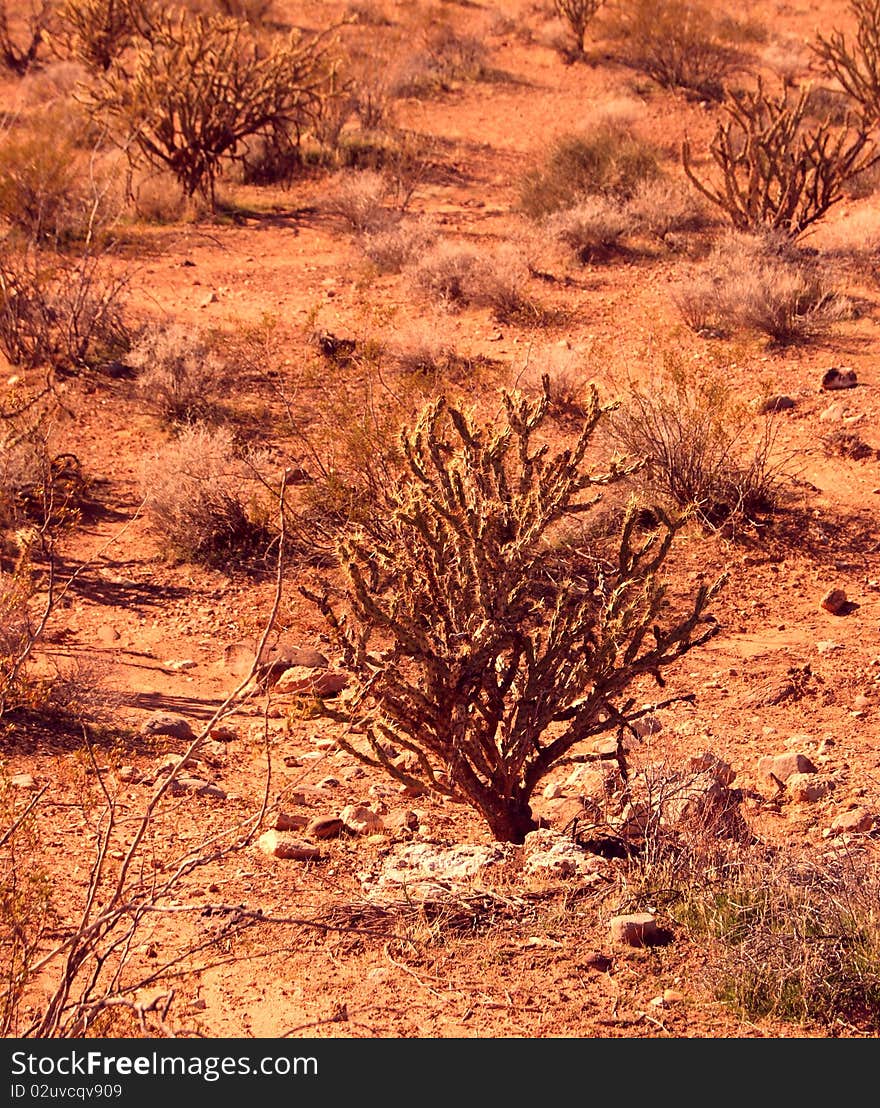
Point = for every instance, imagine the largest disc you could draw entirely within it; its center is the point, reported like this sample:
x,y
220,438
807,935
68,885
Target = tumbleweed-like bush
x,y
480,664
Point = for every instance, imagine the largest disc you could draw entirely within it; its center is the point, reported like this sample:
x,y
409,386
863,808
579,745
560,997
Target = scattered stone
x,y
360,820
328,783
807,788
835,602
163,723
287,821
838,377
861,701
783,766
856,821
587,780
180,665
23,781
672,996
778,403
550,854
827,646
167,762
223,734
424,869
402,821
833,412
647,725
711,764
238,658
279,844
211,298
639,929
605,748
129,773
596,960
305,681
196,785
553,790
325,827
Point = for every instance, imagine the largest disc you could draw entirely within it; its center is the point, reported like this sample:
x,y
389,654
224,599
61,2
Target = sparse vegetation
x,y
682,44
179,374
609,161
703,452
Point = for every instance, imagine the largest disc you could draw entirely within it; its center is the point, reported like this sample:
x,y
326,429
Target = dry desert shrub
x,y
704,451
682,44
393,248
67,313
362,200
457,277
607,160
591,230
663,207
789,939
488,665
761,283
179,373
203,499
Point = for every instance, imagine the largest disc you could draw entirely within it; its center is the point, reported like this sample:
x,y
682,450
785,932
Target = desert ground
x,y
187,848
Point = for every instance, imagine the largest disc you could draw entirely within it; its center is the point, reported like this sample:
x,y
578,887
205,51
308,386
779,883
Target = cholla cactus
x,y
494,659
198,86
856,65
777,174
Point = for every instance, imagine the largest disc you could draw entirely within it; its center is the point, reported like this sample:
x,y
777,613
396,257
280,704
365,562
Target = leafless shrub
x,y
51,189
777,173
608,160
680,43
98,32
202,499
664,207
65,312
483,652
179,374
392,249
702,450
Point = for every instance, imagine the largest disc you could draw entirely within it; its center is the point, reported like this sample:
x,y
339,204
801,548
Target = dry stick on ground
x,y
95,956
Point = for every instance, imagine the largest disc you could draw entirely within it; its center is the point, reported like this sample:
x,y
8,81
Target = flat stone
x,y
303,680
23,781
279,844
163,723
290,821
325,827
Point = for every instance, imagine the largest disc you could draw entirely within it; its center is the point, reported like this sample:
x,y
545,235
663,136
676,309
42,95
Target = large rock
x,y
638,929
839,377
807,788
360,820
164,723
305,681
783,766
423,870
857,821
